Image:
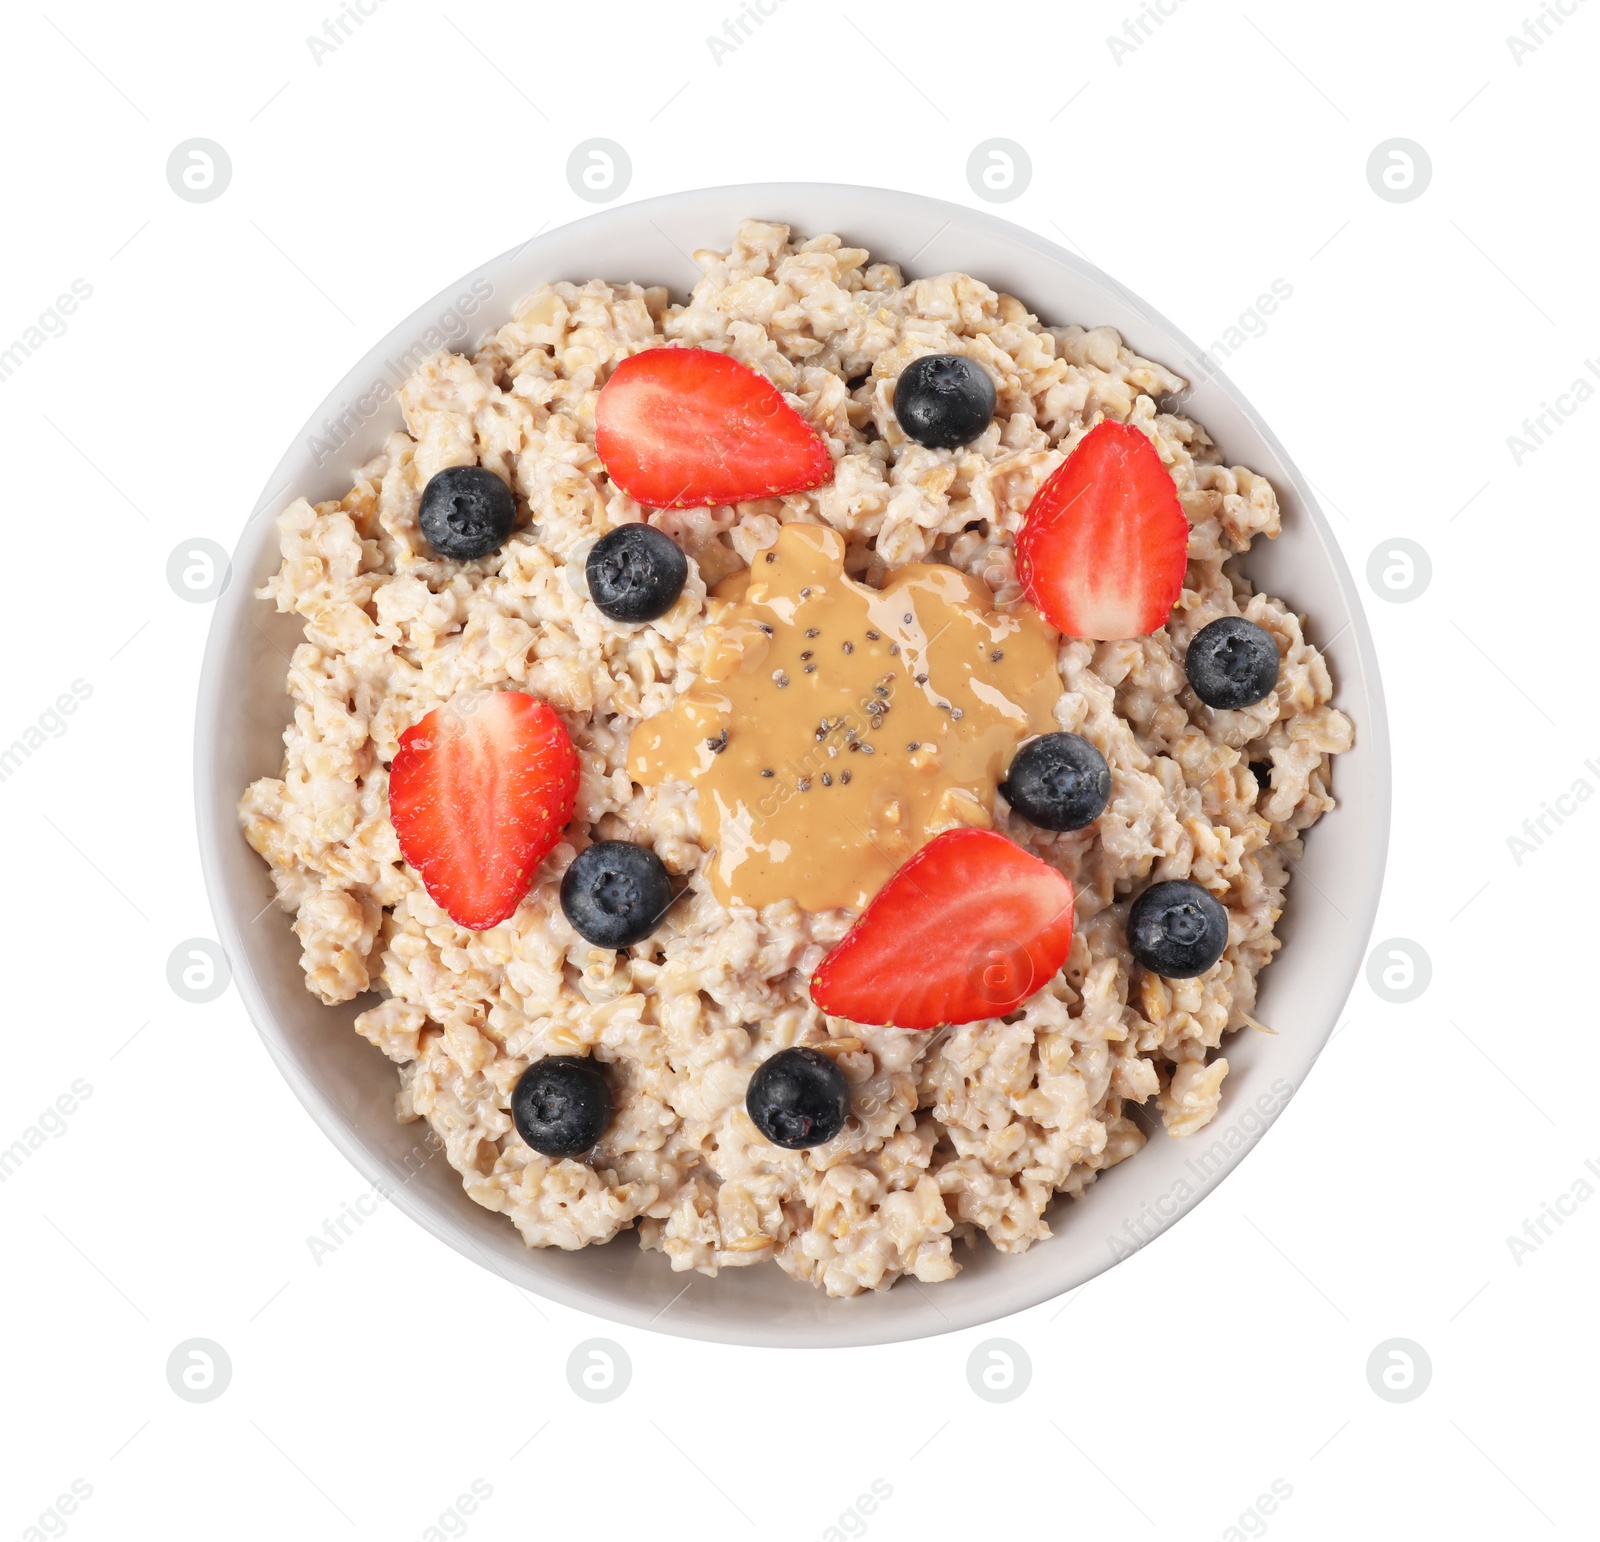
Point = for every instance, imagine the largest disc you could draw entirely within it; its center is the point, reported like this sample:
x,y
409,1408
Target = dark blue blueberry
x,y
1261,770
466,512
798,1098
1058,782
1232,663
1177,929
614,893
635,573
943,399
561,1105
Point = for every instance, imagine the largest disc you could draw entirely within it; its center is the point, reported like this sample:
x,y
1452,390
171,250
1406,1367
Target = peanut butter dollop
x,y
837,728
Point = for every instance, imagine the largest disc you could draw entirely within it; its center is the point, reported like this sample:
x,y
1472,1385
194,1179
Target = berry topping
x,y
798,1098
1104,544
679,428
561,1105
467,512
943,400
635,573
614,893
1058,782
1177,929
479,792
969,928
1231,663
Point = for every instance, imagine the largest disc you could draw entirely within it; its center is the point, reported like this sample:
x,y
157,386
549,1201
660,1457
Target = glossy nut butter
x,y
837,728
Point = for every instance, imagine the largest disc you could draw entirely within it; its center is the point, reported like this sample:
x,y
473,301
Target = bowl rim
x,y
217,823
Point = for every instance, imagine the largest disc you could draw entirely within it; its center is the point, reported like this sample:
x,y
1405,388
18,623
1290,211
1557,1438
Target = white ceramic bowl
x,y
349,1087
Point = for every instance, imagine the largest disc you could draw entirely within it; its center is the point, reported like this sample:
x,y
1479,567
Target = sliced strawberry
x,y
678,428
479,792
1104,543
969,928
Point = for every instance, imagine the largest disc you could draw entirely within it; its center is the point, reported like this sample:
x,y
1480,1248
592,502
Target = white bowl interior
x,y
349,1087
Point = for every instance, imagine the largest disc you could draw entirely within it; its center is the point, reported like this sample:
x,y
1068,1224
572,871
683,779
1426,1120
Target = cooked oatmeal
x,y
964,1131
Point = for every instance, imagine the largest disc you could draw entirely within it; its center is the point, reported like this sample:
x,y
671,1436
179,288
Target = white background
x,y
1228,149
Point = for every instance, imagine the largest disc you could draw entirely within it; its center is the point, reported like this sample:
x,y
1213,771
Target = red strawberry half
x,y
479,793
679,428
1104,543
969,928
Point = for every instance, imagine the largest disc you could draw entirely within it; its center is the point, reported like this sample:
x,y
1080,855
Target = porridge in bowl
x,y
797,771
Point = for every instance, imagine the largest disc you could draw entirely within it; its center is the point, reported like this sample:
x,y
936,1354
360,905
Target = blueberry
x,y
1059,782
467,512
614,893
798,1098
1261,770
943,399
561,1105
1177,929
635,573
1231,663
